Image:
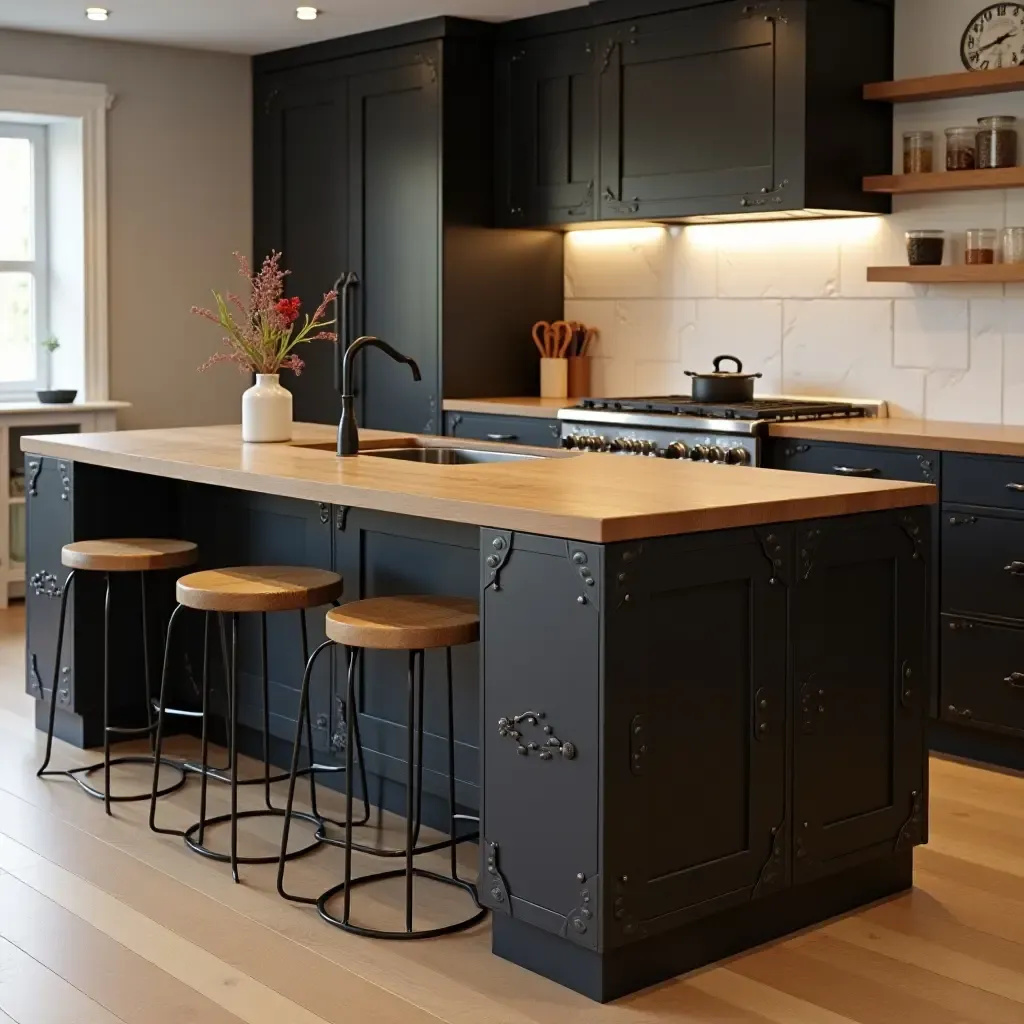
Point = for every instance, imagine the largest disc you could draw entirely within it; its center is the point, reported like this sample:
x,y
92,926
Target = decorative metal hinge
x,y
45,584
638,745
960,624
797,449
773,550
35,467
579,559
501,548
811,704
65,481
586,206
325,513
341,517
580,923
800,843
497,886
429,63
606,59
963,520
268,103
35,682
927,468
912,831
64,693
913,530
455,420
965,713
808,546
620,205
761,725
906,684
772,874
624,921
552,745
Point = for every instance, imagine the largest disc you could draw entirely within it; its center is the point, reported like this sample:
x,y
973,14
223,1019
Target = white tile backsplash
x,y
792,299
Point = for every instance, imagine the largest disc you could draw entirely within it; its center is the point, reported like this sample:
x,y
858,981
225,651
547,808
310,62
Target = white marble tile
x,y
599,314
1013,361
879,243
975,394
931,334
613,377
694,263
660,378
635,329
750,329
618,263
843,348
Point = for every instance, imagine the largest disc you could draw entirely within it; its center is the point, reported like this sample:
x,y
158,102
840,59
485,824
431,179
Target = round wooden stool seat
x,y
129,554
259,588
415,623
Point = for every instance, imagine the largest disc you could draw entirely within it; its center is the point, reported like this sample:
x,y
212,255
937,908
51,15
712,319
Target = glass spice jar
x,y
961,149
980,246
925,248
1013,245
997,142
917,152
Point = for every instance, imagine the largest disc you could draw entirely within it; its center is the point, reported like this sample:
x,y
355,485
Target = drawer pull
x,y
855,471
1014,568
1016,680
1019,488
502,437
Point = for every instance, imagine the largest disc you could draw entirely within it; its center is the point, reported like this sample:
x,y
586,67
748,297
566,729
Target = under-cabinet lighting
x,y
617,237
306,13
784,234
97,13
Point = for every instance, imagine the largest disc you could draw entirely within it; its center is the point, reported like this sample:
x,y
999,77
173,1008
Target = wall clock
x,y
994,38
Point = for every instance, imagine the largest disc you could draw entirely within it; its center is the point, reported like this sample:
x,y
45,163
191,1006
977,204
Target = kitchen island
x,y
696,717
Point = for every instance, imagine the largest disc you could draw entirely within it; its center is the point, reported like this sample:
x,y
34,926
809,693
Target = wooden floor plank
x,y
30,994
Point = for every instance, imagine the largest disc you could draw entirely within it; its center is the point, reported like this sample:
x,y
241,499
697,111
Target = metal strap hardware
x,y
1019,488
855,470
1016,680
502,437
1014,568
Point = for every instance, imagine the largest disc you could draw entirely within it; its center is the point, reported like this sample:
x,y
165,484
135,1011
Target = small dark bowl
x,y
63,397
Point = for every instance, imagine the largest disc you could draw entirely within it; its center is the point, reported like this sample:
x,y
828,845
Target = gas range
x,y
677,427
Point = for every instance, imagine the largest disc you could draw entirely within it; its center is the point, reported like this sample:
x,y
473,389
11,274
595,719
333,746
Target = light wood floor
x,y
102,921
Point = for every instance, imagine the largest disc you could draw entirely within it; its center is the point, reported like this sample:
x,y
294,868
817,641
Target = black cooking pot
x,y
723,385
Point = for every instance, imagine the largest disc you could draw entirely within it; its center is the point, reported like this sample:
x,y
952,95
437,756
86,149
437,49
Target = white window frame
x,y
38,264
84,105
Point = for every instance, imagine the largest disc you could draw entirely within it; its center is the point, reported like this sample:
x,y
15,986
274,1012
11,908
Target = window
x,y
24,269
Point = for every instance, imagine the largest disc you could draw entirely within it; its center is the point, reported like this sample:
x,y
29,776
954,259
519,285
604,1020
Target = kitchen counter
x,y
751,632
582,496
531,406
939,435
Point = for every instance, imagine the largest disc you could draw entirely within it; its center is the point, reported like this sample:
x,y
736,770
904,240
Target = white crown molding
x,y
87,102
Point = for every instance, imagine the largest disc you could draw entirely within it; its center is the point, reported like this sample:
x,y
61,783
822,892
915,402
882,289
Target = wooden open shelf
x,y
979,273
946,181
941,87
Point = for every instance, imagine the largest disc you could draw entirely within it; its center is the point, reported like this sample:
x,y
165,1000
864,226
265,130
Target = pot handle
x,y
721,359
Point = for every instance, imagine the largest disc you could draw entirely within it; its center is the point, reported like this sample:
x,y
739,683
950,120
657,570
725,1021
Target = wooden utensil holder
x,y
579,376
554,378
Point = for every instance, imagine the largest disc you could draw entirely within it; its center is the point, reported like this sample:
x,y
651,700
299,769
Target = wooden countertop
x,y
538,408
937,435
589,497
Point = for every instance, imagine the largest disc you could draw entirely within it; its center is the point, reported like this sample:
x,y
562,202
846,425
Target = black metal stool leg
x,y
451,764
106,698
147,683
205,734
350,714
293,775
309,721
43,769
160,727
266,711
233,758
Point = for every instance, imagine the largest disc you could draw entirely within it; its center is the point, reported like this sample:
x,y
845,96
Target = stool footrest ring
x,y
165,762
223,819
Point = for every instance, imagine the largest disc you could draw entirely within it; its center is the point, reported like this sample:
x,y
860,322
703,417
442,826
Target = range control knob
x,y
571,441
648,448
716,454
699,453
597,444
737,457
677,450
627,444
620,444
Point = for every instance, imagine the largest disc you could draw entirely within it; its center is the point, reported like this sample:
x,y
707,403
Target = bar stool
x,y
234,591
414,624
122,555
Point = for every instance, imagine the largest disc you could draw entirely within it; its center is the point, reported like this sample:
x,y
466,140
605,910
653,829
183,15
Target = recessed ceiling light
x,y
306,13
97,13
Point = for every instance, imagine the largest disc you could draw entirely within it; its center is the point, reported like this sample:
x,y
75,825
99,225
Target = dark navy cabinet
x,y
540,433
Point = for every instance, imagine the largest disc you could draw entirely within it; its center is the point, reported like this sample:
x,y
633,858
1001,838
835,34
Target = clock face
x,y
994,38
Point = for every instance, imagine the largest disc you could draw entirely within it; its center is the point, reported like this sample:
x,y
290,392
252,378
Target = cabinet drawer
x,y
983,565
510,429
854,460
983,480
982,674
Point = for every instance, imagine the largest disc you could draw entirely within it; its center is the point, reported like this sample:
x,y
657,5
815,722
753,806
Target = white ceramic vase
x,y
267,410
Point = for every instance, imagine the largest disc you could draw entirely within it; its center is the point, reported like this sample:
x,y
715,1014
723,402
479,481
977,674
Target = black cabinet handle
x,y
1014,568
502,437
855,471
1016,680
1019,488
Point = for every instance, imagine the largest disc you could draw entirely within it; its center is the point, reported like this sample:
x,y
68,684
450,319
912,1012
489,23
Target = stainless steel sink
x,y
449,456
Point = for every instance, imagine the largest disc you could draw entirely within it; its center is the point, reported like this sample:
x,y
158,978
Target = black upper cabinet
x,y
720,109
547,166
374,157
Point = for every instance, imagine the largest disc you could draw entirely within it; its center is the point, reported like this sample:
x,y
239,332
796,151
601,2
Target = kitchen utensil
x,y
561,339
579,376
723,385
541,330
589,337
554,377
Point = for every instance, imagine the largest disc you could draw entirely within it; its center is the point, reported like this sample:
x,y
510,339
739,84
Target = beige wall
x,y
180,200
